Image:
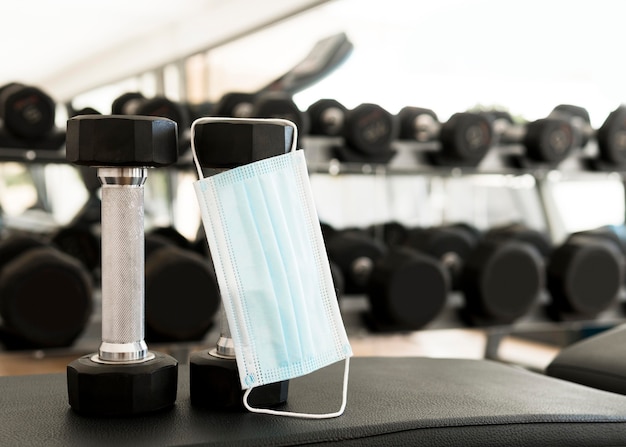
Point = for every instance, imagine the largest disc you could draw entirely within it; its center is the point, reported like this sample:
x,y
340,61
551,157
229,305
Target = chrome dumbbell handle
x,y
122,265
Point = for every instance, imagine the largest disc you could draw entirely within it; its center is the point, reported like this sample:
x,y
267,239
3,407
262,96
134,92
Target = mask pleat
x,y
282,309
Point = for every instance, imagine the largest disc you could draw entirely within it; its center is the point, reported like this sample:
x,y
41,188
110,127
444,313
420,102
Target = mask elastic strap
x,y
344,400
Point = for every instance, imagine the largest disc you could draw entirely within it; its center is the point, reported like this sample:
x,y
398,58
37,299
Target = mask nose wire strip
x,y
344,398
278,121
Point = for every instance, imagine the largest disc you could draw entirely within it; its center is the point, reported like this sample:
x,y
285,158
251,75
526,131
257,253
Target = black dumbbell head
x,y
407,290
520,232
571,111
612,138
280,105
416,123
182,295
80,242
235,105
27,111
449,245
501,281
548,140
355,252
214,383
327,117
369,129
391,233
115,140
86,111
585,274
465,138
122,389
120,104
236,143
46,296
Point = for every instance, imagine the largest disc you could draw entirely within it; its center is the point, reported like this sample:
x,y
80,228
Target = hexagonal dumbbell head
x,y
116,140
236,143
215,384
122,390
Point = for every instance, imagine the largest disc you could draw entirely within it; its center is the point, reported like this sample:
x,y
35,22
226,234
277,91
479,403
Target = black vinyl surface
x,y
391,401
597,361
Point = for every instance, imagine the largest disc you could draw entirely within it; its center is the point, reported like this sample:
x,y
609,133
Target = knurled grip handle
x,y
122,264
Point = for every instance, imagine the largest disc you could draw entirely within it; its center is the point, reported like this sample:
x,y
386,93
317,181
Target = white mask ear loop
x,y
282,122
344,401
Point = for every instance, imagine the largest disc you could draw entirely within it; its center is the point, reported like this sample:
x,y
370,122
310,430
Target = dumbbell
x,y
367,131
500,279
123,378
578,118
406,290
214,378
28,117
173,270
354,252
134,103
45,295
327,117
464,139
611,138
584,273
543,141
84,111
450,244
391,233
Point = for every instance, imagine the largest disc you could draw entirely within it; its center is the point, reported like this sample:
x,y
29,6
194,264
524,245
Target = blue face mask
x,y
273,271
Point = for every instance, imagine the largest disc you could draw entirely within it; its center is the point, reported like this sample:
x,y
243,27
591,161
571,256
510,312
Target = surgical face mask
x,y
273,270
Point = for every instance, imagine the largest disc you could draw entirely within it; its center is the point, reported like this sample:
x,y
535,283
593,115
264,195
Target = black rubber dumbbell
x,y
368,132
463,140
546,141
584,273
327,117
500,280
45,295
28,116
611,139
364,134
354,252
392,233
578,118
173,270
214,377
406,290
450,244
123,378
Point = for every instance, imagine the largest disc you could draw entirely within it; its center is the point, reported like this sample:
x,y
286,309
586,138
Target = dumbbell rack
x,y
535,325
